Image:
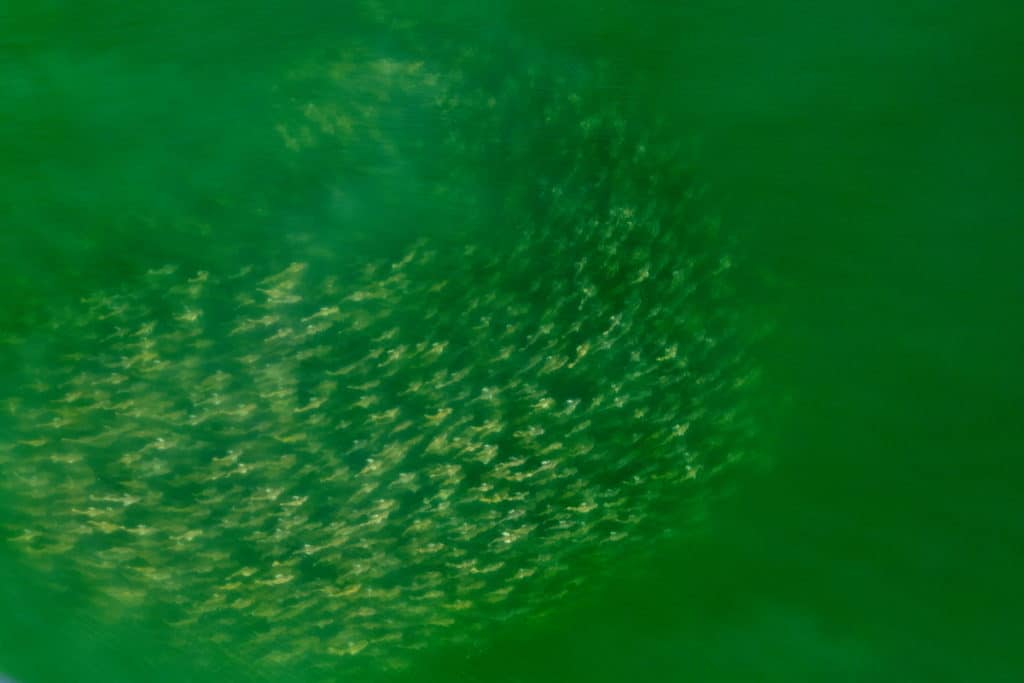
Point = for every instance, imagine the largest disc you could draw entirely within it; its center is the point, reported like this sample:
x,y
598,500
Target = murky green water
x,y
510,342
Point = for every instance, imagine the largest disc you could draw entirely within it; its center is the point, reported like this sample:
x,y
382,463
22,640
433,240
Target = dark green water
x,y
864,160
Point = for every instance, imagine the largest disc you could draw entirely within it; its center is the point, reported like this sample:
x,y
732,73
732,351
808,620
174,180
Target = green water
x,y
863,160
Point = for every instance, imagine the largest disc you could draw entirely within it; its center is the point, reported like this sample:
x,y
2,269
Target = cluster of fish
x,y
316,464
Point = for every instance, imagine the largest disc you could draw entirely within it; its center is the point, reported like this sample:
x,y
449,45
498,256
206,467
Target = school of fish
x,y
357,462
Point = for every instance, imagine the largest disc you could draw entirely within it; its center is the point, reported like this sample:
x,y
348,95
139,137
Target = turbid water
x,y
509,341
